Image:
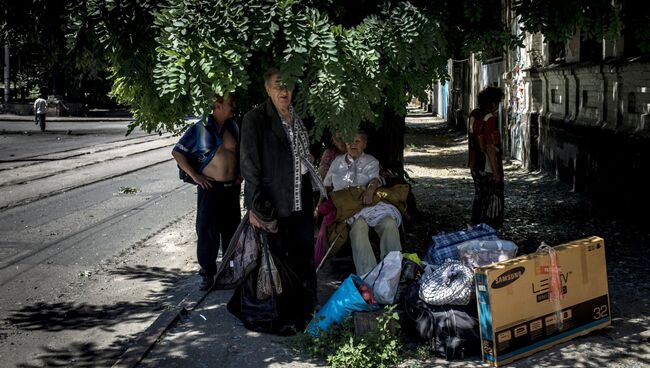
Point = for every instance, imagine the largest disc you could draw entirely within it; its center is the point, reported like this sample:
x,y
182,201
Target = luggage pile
x,y
470,296
436,296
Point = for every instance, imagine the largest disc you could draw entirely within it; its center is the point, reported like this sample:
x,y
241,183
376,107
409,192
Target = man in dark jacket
x,y
277,183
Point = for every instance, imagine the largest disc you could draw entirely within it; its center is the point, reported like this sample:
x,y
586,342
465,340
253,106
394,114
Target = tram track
x,y
30,160
77,237
64,180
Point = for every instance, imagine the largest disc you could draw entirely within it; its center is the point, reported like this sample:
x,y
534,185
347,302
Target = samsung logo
x,y
508,277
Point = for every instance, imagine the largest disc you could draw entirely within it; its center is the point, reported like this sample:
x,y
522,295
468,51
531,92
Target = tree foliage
x,y
36,32
347,69
558,20
350,62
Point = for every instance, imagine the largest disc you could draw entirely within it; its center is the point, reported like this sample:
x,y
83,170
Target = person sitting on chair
x,y
357,168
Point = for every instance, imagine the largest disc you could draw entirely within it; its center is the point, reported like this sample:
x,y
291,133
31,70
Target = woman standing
x,y
485,159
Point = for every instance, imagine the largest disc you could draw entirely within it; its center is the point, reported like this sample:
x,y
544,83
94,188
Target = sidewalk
x,y
538,208
60,119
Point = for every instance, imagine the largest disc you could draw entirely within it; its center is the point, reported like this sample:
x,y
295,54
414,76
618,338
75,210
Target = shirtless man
x,y
223,166
207,152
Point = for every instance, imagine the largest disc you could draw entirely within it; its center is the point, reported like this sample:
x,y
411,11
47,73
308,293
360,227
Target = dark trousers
x,y
487,195
217,217
294,241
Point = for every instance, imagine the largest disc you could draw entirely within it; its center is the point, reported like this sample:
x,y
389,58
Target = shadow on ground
x,y
72,316
80,355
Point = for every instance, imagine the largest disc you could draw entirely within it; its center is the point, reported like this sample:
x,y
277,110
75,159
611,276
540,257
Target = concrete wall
x,y
594,128
588,123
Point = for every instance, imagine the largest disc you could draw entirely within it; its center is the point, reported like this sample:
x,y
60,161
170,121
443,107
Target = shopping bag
x,y
345,300
384,278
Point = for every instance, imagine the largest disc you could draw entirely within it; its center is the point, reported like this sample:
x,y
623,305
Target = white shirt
x,y
347,172
40,106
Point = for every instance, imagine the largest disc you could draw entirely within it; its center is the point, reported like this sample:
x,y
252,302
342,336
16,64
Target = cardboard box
x,y
516,316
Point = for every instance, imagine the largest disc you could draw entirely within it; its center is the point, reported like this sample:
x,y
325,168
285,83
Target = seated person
x,y
336,149
357,168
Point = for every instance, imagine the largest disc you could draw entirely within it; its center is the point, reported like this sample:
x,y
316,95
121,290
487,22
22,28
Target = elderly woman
x,y
356,168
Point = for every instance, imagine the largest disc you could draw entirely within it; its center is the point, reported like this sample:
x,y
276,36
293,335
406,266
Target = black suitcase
x,y
452,331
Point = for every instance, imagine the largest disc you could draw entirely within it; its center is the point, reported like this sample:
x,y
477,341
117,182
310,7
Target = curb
x,y
134,355
54,119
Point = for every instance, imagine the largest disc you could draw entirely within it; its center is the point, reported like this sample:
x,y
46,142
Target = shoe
x,y
207,282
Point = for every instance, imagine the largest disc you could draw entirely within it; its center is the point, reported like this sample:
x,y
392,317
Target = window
x,y
556,97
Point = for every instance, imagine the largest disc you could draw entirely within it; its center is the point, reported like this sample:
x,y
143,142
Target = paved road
x,y
83,267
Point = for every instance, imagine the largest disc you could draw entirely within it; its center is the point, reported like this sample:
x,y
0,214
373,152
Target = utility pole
x,y
7,72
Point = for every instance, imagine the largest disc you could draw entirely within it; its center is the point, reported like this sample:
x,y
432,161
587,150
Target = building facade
x,y
579,110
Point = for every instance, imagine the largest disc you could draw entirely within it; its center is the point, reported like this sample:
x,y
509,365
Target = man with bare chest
x,y
208,153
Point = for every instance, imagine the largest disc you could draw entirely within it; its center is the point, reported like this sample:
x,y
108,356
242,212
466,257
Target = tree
x,y
353,65
36,31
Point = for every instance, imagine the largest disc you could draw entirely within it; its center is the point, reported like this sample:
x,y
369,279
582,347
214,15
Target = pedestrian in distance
x,y
207,153
486,159
40,110
277,181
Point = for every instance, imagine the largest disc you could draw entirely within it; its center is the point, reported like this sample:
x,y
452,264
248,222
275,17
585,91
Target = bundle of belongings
x,y
470,296
268,295
437,297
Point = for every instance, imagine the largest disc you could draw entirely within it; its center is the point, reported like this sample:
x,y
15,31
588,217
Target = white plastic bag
x,y
478,253
384,278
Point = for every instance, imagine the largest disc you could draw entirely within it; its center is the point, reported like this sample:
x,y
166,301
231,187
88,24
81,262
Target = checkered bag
x,y
444,245
450,284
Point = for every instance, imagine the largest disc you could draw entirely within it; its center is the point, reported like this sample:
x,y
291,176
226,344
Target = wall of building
x,y
588,123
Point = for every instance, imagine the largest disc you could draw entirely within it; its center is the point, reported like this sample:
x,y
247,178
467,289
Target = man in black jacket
x,y
277,183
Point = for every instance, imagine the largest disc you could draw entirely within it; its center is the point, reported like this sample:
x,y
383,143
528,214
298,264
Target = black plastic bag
x,y
411,272
452,331
185,176
281,314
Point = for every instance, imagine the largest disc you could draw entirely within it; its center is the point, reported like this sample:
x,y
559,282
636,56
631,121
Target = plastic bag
x,y
345,300
268,278
450,284
384,278
478,253
281,314
445,245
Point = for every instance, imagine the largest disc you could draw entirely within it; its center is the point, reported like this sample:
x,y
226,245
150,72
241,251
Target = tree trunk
x,y
386,143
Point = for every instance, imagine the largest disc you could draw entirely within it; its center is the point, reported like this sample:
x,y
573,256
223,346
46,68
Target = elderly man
x,y
207,152
360,169
277,182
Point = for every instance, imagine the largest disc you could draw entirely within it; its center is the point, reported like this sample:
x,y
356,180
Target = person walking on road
x,y
485,159
40,110
273,141
207,152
